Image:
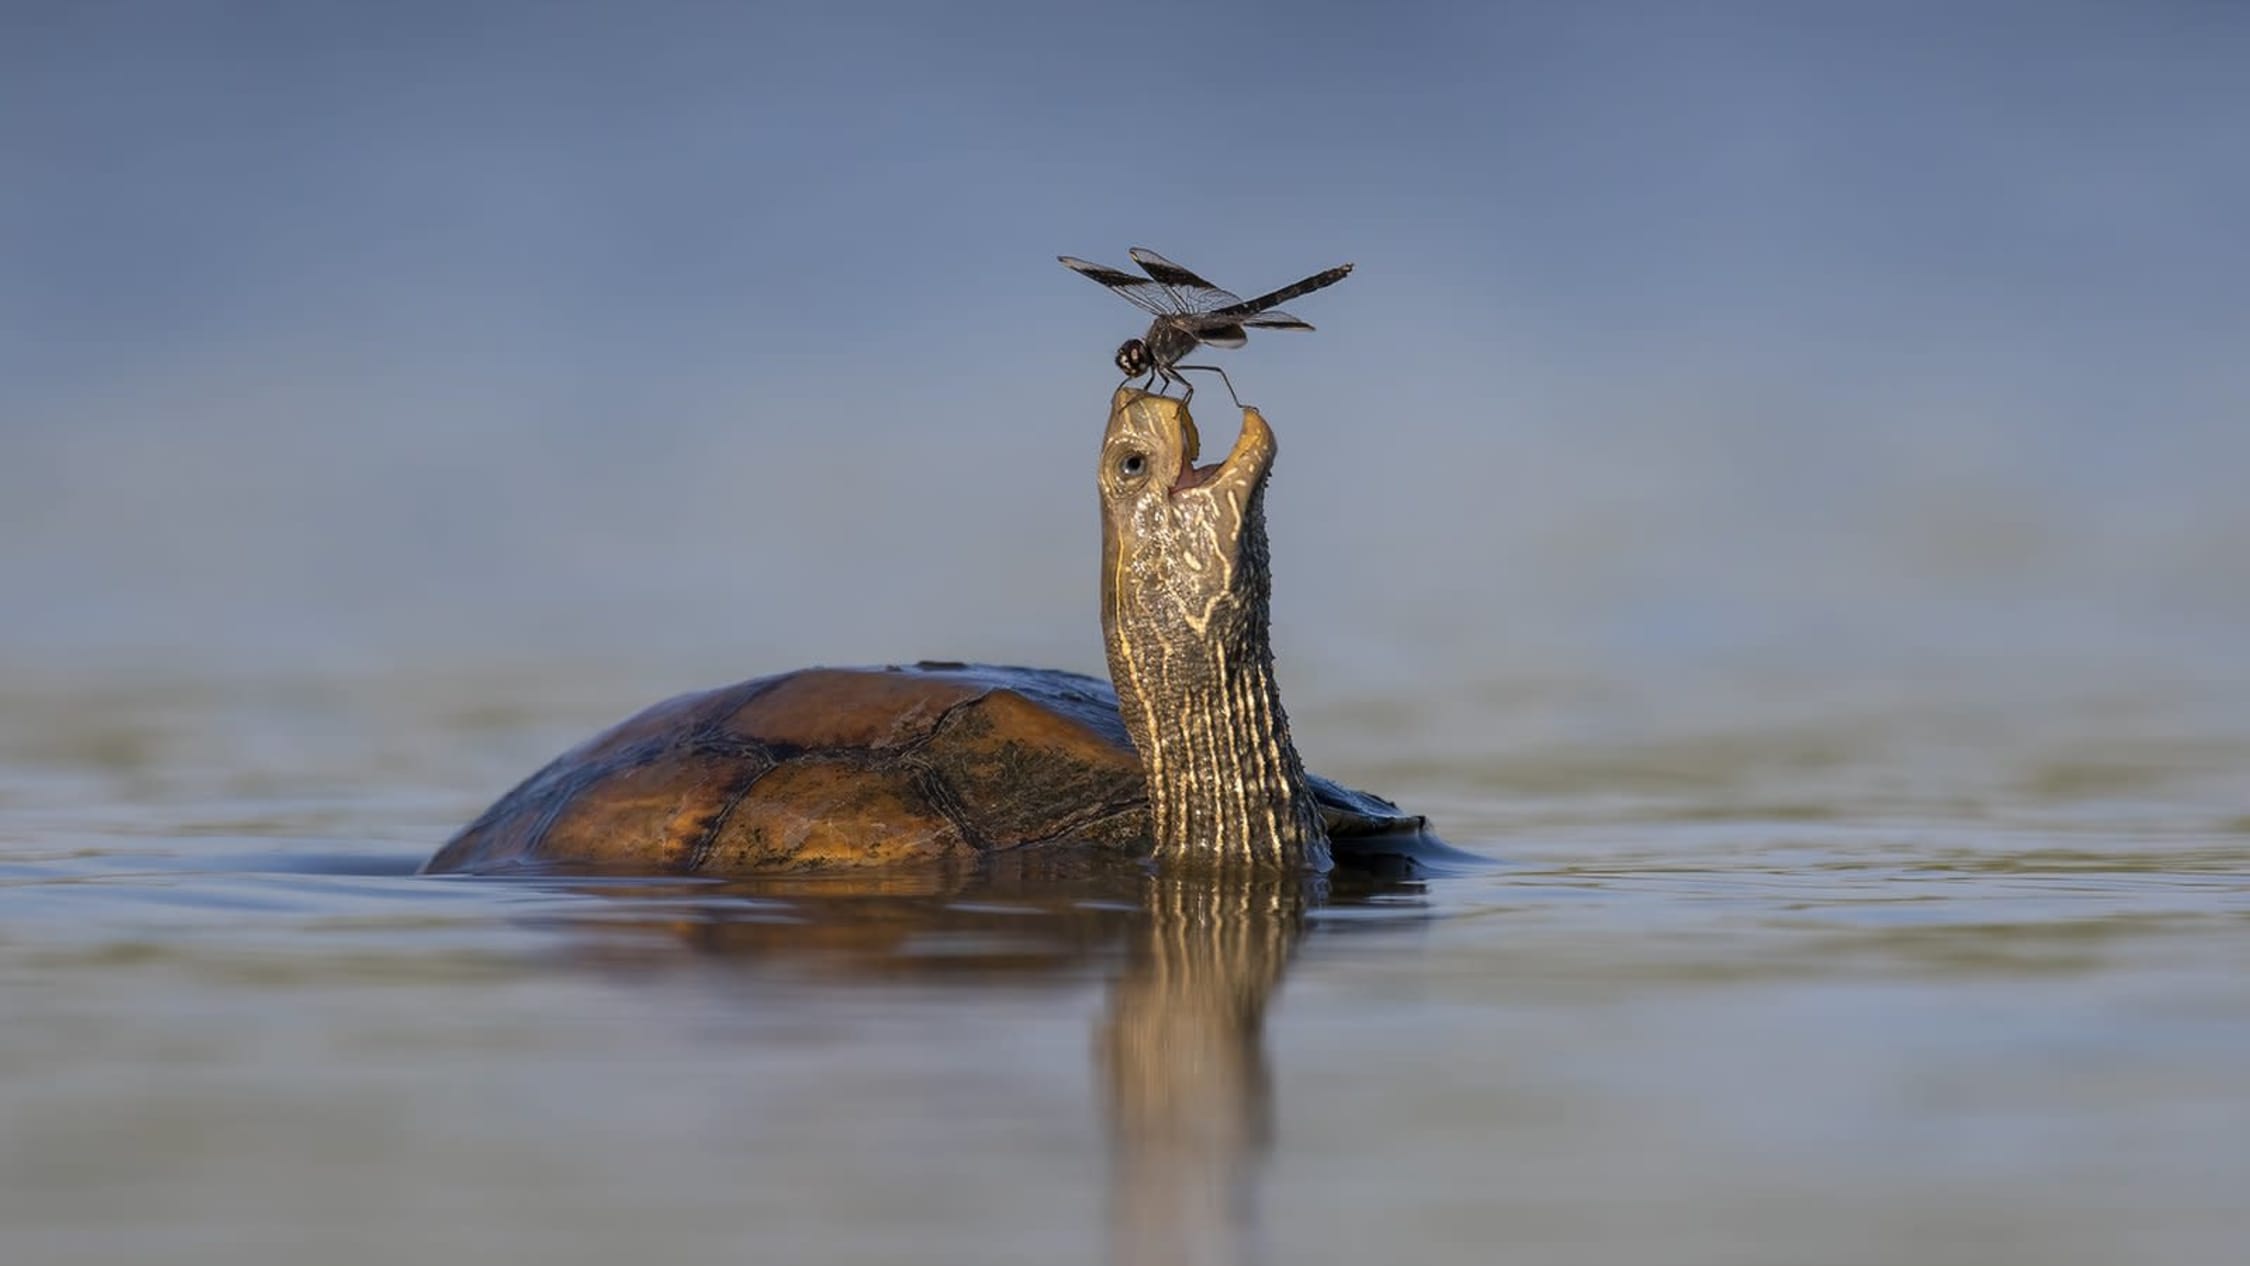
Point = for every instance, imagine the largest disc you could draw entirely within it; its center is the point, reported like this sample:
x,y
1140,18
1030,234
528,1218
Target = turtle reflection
x,y
1183,1048
1193,962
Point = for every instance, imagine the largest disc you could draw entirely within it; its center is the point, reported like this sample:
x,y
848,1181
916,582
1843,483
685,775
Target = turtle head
x,y
1133,359
1184,613
1174,533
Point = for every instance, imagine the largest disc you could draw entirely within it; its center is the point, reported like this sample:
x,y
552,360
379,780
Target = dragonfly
x,y
1190,312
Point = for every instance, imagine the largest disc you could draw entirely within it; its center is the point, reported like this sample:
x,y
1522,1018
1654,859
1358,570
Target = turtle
x,y
1183,758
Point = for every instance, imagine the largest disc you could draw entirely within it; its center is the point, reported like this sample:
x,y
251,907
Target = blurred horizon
x,y
1826,337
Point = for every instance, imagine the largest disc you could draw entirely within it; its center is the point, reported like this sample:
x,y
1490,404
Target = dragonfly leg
x,y
1170,375
1212,369
1152,381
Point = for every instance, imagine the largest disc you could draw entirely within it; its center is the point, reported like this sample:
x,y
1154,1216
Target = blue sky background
x,y
732,335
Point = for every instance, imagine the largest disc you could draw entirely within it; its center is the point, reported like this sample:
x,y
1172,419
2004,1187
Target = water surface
x,y
1763,974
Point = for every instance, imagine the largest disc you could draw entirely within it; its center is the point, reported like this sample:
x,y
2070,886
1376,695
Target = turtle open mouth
x,y
1196,476
1191,447
1252,448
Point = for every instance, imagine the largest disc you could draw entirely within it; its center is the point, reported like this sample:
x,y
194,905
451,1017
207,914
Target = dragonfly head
x,y
1133,358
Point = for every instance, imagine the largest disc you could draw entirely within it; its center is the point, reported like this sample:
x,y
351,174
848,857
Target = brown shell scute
x,y
650,814
991,751
848,707
821,813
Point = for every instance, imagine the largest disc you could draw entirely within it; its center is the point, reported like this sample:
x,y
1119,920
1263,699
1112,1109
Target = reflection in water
x,y
1180,1051
1183,1049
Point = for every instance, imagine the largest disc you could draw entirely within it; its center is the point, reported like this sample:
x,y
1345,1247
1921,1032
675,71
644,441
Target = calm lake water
x,y
1922,969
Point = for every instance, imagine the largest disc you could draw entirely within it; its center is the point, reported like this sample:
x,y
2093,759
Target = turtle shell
x,y
849,767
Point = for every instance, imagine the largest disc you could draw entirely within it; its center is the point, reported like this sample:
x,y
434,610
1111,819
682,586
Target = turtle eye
x,y
1132,466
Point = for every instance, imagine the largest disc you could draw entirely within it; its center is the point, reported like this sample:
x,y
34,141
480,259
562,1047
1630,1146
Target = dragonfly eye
x,y
1132,358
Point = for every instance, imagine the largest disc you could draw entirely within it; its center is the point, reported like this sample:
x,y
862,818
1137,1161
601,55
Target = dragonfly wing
x,y
1275,320
1186,289
1141,292
1165,270
1221,336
